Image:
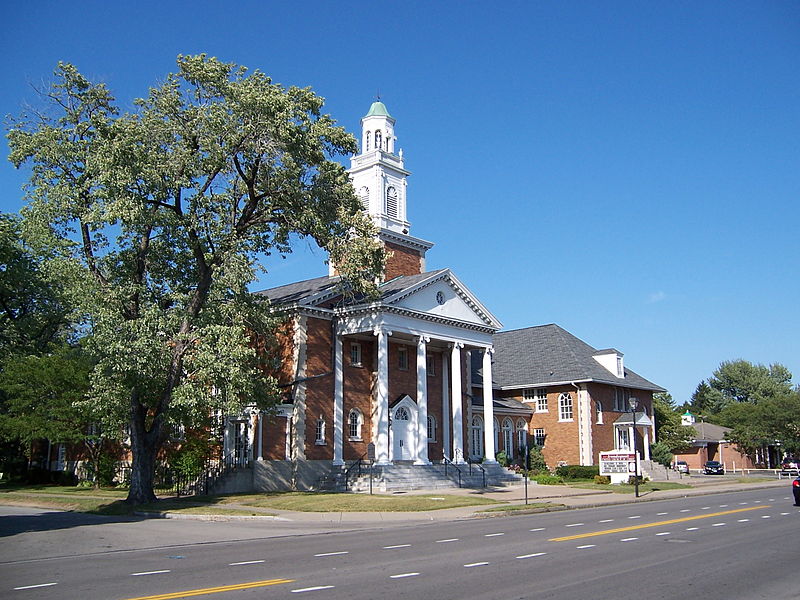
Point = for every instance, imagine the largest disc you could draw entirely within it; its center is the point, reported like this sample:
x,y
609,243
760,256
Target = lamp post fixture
x,y
634,403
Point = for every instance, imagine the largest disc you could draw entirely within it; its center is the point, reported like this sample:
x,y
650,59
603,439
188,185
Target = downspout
x,y
580,421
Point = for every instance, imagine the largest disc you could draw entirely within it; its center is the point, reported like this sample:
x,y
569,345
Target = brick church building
x,y
423,374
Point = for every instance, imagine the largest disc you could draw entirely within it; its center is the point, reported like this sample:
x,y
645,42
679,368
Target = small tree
x,y
660,452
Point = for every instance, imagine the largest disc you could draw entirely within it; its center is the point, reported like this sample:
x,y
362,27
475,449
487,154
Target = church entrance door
x,y
403,433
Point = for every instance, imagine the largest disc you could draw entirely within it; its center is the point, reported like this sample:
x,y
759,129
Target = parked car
x,y
796,491
681,466
713,467
790,466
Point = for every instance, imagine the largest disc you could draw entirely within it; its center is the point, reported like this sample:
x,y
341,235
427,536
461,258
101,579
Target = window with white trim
x,y
522,434
319,438
599,408
430,366
565,407
508,438
431,428
355,354
539,437
537,396
621,396
391,202
354,421
402,358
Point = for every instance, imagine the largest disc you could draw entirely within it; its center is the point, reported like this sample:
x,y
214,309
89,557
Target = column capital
x,y
489,350
423,339
380,330
456,345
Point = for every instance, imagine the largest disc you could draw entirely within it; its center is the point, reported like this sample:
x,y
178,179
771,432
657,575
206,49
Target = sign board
x,y
371,451
619,465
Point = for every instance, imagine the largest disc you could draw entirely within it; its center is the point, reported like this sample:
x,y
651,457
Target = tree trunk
x,y
142,470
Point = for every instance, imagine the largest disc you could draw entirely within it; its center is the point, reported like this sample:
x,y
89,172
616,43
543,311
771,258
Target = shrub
x,y
536,462
578,471
547,479
602,479
502,458
632,479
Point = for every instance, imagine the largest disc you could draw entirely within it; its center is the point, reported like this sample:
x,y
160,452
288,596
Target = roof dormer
x,y
611,360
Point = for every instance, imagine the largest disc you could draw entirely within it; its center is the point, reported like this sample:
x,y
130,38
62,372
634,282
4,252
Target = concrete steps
x,y
406,477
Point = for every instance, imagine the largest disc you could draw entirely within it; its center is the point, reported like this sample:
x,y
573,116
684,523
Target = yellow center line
x,y
657,524
214,590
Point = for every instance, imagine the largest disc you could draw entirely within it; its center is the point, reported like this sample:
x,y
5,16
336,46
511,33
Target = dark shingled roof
x,y
302,290
538,356
710,432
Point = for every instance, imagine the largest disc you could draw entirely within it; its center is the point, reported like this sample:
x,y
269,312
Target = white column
x,y
631,438
647,443
422,402
260,453
382,412
488,408
445,406
456,403
338,401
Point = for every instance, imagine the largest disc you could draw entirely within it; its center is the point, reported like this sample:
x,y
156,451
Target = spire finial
x,y
378,95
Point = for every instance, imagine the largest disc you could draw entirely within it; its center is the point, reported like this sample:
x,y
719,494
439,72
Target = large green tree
x,y
771,422
156,221
669,431
741,381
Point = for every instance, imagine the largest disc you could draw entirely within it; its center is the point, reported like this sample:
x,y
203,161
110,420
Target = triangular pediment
x,y
443,295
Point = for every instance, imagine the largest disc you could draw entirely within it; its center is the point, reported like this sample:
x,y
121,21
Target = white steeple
x,y
377,173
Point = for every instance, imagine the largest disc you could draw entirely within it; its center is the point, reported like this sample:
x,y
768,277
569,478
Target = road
x,y
739,545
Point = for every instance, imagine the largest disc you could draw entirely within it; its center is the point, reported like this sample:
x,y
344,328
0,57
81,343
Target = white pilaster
x,y
647,443
260,451
338,401
445,406
422,402
382,409
488,407
456,402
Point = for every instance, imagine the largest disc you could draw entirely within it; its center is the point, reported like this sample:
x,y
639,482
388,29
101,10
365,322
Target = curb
x,y
199,517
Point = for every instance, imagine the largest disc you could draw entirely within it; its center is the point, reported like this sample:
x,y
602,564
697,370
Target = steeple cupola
x,y
379,179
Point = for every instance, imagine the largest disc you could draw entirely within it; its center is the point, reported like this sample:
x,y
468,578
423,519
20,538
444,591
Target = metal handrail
x,y
347,472
446,461
483,471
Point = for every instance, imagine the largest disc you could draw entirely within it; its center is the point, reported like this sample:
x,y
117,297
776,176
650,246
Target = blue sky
x,y
627,170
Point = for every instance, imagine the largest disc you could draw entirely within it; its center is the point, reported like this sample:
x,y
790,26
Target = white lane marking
x,y
448,540
151,572
401,575
246,562
537,529
534,555
705,508
331,553
492,534
784,514
743,520
606,521
584,547
717,524
635,517
628,539
758,502
574,525
312,589
685,510
726,506
765,516
692,528
663,533
38,585
742,503
397,546
661,514
771,500
477,564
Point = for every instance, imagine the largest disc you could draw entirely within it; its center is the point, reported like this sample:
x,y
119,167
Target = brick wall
x,y
319,391
401,261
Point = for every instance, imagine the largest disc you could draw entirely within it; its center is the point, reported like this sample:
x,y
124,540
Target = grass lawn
x,y
624,488
111,501
521,507
333,502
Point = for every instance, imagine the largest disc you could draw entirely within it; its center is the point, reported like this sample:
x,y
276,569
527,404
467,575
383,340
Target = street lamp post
x,y
634,403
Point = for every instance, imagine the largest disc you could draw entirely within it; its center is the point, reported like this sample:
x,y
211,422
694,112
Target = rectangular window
x,y
355,354
430,366
402,358
538,437
538,395
621,396
320,433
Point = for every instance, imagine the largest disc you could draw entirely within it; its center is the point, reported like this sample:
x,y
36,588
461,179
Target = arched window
x,y
378,140
366,144
565,407
320,434
496,432
363,195
391,202
355,421
522,434
402,414
599,407
431,428
477,437
508,438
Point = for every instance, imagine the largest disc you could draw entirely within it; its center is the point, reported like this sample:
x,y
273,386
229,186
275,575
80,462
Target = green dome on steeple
x,y
378,109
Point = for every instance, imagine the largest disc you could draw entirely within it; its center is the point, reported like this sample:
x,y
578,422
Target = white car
x,y
681,466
